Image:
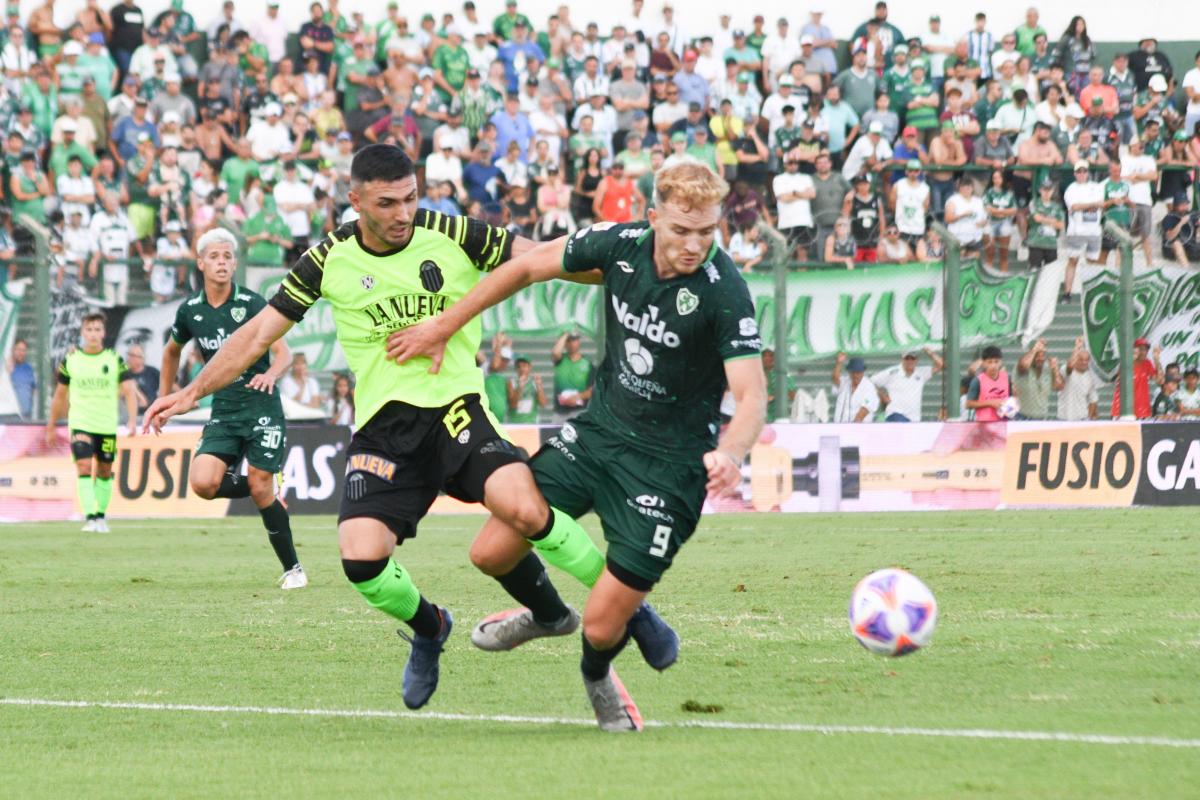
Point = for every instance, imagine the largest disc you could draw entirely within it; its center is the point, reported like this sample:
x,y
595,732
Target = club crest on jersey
x,y
368,282
431,277
238,313
686,302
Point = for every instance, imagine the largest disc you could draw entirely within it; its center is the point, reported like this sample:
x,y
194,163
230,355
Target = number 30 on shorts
x,y
662,540
271,439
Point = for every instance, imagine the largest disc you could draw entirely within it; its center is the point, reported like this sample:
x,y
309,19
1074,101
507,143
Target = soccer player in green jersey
x,y
247,416
90,380
680,326
417,434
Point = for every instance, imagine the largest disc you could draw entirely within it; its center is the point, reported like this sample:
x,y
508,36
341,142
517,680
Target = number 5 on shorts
x,y
457,417
662,540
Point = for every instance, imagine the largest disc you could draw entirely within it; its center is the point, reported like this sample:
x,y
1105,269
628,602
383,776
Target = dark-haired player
x,y
417,434
90,380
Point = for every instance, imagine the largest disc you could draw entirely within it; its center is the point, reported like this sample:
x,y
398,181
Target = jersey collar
x,y
648,235
382,253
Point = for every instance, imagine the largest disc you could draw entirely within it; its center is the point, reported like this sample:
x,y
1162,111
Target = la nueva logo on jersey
x,y
648,324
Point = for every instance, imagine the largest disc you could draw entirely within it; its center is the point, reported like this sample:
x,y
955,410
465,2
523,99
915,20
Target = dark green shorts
x,y
647,506
261,440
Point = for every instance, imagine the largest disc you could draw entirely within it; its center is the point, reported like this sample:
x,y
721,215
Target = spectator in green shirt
x,y
97,62
921,103
267,236
1027,33
236,170
504,24
450,65
495,383
573,373
703,150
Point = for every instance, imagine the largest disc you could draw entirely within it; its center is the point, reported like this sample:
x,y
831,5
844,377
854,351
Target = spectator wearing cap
x,y
1084,200
225,24
355,73
858,84
482,180
617,197
691,122
857,397
1154,105
512,126
373,104
939,45
1147,61
921,103
635,158
965,216
779,50
1176,181
745,99
68,146
295,201
1069,126
517,53
167,275
1141,172
444,166
907,148
748,59
772,108
1145,369
910,200
128,131
823,41
629,95
69,71
896,78
505,25
1086,148
41,96
794,193
864,208
269,136
692,87
1124,85
317,37
841,123
272,31
708,64
152,51
96,62
237,170
1016,119
869,154
172,100
450,64
75,189
1179,226
267,235
902,387
574,374
1047,219
480,51
86,136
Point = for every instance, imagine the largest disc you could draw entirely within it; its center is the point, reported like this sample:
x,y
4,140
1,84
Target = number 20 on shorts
x,y
662,540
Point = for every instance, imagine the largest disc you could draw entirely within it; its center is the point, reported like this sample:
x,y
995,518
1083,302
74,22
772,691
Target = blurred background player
x,y
247,416
90,380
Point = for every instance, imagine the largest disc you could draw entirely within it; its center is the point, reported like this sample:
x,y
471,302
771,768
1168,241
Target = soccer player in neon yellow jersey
x,y
417,433
680,326
90,380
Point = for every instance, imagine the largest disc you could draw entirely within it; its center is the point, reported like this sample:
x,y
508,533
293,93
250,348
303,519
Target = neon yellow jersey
x,y
93,381
373,294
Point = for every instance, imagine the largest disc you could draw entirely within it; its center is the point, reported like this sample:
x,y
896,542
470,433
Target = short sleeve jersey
x,y
376,293
210,328
93,382
666,340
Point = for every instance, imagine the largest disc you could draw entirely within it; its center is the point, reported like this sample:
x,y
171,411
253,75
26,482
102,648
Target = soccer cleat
x,y
615,710
655,638
89,526
101,525
421,672
515,627
294,578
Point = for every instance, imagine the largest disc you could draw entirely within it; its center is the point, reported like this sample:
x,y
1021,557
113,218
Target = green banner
x,y
1166,310
886,309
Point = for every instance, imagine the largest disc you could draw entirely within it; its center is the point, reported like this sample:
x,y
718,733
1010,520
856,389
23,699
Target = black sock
x,y
279,532
530,586
233,486
427,621
545,531
595,663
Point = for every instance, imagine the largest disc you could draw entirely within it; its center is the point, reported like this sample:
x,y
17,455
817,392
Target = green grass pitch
x,y
1070,622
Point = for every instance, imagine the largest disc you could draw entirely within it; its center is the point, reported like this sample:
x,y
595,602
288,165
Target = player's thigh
x,y
648,509
206,472
365,539
610,605
565,471
265,443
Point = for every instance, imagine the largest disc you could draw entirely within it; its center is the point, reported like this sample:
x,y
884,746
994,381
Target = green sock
x,y
86,492
568,547
392,592
103,493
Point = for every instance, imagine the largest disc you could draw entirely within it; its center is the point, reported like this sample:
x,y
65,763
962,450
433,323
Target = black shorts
x,y
405,455
1040,256
101,446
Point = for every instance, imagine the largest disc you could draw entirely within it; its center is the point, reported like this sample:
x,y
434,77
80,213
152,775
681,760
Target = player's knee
x,y
486,559
527,515
204,489
604,634
262,489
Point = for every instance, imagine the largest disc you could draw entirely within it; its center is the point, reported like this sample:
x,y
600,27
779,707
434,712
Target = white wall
x,y
1109,20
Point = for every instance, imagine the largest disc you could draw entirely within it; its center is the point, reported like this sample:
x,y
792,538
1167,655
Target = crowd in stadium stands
x,y
129,137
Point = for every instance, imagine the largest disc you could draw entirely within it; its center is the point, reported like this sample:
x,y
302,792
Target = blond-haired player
x,y
680,326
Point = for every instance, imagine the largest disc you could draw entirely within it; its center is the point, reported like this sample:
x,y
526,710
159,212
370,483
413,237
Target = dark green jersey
x,y
666,341
211,328
93,382
1042,234
1117,190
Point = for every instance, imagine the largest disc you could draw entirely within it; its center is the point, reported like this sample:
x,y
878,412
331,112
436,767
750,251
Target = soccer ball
x,y
892,612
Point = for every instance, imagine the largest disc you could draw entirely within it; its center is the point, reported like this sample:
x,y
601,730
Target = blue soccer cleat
x,y
421,672
655,638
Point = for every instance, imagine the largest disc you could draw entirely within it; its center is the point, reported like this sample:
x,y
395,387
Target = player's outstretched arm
x,y
241,350
748,385
429,338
